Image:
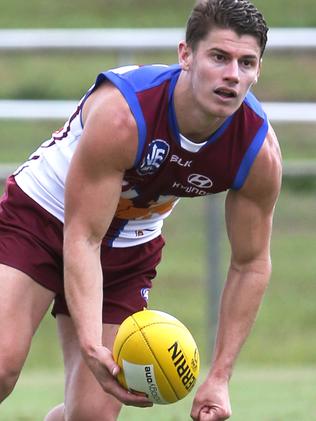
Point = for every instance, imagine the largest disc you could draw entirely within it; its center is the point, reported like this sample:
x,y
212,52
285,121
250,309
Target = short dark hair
x,y
239,15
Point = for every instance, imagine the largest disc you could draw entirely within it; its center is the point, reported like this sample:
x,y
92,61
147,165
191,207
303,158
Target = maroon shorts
x,y
31,240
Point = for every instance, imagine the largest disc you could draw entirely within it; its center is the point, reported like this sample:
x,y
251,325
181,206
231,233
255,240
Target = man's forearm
x,y
84,293
241,299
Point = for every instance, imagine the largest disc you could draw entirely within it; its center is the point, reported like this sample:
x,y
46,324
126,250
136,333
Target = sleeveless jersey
x,y
167,165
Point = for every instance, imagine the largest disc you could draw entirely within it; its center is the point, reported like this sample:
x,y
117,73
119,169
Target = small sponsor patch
x,y
201,181
144,292
156,154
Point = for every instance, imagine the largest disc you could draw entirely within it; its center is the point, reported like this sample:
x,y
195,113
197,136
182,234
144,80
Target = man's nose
x,y
232,71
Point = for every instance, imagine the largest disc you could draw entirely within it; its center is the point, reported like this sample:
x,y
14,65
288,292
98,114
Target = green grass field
x,y
260,394
44,74
136,13
275,375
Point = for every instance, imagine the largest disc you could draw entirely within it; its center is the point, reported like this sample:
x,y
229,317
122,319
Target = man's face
x,y
221,70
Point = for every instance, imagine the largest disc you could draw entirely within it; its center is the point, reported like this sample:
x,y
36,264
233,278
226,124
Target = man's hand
x,y
105,370
211,402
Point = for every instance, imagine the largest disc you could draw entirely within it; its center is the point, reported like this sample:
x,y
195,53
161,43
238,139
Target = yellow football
x,y
157,356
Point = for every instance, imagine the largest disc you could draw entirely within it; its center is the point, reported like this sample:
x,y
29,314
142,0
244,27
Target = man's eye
x,y
247,63
219,57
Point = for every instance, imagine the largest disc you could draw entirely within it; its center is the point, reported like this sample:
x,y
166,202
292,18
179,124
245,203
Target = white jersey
x,y
43,176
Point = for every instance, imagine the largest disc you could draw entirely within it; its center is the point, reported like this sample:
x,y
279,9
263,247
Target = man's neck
x,y
192,122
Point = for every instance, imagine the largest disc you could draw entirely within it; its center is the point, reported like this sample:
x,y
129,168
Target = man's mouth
x,y
225,93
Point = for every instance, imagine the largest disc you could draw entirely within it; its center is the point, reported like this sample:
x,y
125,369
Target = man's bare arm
x,y
107,148
249,214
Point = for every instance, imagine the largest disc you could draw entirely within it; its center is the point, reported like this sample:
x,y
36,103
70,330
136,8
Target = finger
x,y
195,411
108,361
213,414
127,397
208,413
105,358
111,385
135,399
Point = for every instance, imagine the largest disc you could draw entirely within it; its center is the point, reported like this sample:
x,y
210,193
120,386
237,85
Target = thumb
x,y
115,370
206,414
109,362
211,414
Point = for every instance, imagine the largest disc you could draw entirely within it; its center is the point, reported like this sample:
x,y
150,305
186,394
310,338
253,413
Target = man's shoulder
x,y
252,102
139,77
270,152
264,180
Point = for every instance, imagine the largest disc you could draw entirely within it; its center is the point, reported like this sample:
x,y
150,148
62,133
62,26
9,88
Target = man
x,y
101,186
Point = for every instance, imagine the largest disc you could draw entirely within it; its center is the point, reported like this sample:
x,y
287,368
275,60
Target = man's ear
x,y
258,72
184,55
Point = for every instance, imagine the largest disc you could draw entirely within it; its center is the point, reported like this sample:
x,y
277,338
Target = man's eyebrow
x,y
218,50
227,53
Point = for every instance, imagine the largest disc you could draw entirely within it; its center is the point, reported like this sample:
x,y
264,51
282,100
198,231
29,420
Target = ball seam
x,y
152,351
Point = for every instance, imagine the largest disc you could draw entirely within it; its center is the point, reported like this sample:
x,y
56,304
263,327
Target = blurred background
x,y
275,375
